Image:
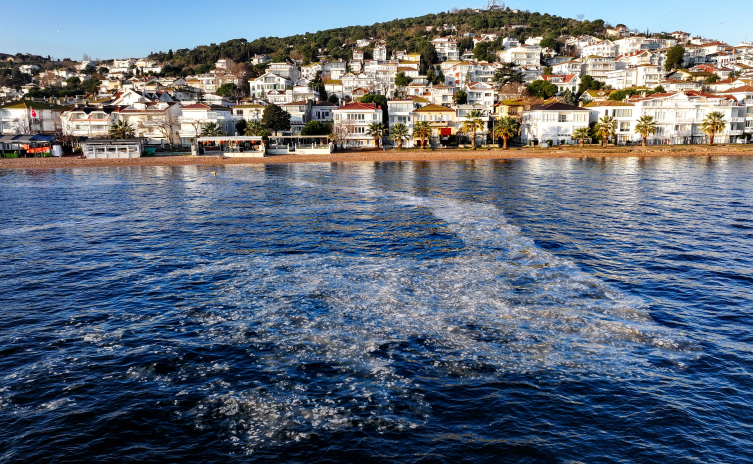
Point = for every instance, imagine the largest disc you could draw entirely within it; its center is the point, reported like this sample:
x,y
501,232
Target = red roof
x,y
196,106
359,106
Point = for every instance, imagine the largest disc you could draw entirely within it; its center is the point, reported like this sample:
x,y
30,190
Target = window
x,y
579,117
624,127
563,118
623,113
549,117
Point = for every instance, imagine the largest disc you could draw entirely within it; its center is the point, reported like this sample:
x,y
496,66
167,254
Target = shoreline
x,y
389,155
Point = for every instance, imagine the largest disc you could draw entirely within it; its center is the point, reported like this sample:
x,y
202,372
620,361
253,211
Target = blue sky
x,y
135,28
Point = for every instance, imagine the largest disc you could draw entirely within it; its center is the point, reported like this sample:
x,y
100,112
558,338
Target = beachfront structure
x,y
441,120
679,116
248,111
624,113
196,116
401,112
553,121
300,114
30,117
322,111
355,119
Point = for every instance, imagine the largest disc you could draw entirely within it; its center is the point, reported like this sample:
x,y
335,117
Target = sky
x,y
134,29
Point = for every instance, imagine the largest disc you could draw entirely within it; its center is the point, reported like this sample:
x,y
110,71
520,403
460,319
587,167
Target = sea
x,y
577,310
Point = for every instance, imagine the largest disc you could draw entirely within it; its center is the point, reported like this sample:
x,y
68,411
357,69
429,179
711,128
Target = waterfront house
x,y
552,121
30,117
623,114
440,118
355,118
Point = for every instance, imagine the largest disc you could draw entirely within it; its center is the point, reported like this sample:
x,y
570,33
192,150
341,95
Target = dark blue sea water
x,y
514,311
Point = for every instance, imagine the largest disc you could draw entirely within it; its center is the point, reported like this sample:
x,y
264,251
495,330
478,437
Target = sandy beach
x,y
388,155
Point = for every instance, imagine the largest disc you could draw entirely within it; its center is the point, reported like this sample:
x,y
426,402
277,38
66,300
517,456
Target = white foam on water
x,y
388,324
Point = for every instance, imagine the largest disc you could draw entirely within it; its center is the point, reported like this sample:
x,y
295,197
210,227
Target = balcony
x,y
681,133
749,130
735,132
738,119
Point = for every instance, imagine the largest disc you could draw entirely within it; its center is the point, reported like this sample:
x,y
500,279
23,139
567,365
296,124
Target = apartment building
x,y
356,118
598,67
553,121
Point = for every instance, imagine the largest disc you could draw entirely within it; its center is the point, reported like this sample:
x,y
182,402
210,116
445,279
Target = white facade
x,y
555,121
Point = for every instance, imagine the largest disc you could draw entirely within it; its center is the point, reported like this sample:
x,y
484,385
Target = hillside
x,y
400,34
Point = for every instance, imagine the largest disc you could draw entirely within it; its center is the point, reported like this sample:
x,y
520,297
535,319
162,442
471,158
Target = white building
x,y
553,121
196,116
300,114
624,114
356,118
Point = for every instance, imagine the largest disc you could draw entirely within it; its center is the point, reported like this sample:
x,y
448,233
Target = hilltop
x,y
410,34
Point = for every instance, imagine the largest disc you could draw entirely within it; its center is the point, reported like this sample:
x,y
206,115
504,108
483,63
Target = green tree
x,y
711,79
376,130
506,74
606,127
646,126
276,118
204,68
226,89
471,126
399,133
582,134
212,129
317,84
256,129
547,71
551,44
506,129
588,83
542,89
333,44
121,130
380,100
422,130
660,89
91,85
460,97
569,98
712,124
674,58
402,81
73,81
240,126
316,128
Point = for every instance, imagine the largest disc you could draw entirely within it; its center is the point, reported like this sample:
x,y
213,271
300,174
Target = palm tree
x,y
712,124
506,129
471,125
399,133
256,129
376,130
422,131
646,126
607,126
211,129
121,130
581,133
